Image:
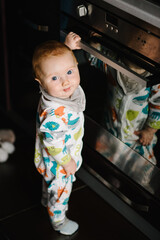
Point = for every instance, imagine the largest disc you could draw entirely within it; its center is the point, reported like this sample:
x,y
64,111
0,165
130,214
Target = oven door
x,y
121,176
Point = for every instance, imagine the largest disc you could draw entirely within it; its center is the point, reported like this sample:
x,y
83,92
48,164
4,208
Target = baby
x,y
60,126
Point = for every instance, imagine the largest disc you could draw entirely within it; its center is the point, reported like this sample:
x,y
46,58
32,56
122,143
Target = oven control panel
x,y
108,23
111,22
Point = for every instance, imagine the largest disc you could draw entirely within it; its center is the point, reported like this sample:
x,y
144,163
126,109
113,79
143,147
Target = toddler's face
x,y
60,75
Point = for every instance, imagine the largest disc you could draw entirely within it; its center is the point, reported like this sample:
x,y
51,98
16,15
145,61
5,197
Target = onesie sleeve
x,y
154,108
54,133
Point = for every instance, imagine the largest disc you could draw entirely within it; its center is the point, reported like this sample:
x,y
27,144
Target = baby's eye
x,y
54,78
69,72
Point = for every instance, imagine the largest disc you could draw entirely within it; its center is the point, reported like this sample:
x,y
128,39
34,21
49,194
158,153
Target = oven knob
x,y
81,10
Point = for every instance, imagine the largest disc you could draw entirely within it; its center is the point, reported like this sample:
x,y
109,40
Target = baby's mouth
x,y
67,89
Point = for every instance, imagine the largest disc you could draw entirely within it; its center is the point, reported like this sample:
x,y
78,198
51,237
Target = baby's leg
x,y
58,195
59,192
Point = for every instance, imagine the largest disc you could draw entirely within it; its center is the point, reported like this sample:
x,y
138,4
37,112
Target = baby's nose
x,y
65,81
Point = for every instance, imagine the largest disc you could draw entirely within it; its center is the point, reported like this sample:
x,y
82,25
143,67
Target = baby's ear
x,y
38,81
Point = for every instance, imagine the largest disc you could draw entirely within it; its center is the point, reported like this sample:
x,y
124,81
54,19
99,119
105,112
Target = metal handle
x,y
109,61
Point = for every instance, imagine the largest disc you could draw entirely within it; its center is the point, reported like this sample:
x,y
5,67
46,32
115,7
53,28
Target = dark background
x,y
20,35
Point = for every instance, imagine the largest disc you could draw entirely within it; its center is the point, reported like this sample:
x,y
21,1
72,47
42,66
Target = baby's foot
x,y
68,227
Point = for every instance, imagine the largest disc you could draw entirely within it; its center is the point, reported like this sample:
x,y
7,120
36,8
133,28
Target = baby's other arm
x,y
146,135
73,41
70,167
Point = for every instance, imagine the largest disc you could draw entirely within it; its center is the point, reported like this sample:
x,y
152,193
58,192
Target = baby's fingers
x,y
144,141
67,175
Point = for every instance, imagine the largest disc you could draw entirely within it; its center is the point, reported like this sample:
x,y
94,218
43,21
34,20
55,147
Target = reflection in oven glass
x,y
131,111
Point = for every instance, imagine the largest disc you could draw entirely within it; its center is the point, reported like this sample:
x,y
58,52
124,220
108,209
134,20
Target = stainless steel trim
x,y
86,47
143,10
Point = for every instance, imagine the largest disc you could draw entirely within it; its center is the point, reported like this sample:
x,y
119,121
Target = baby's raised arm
x,y
73,41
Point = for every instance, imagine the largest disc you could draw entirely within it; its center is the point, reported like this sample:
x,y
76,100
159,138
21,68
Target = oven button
x,y
81,10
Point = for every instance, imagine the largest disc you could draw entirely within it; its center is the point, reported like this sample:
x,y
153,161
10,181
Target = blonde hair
x,y
45,50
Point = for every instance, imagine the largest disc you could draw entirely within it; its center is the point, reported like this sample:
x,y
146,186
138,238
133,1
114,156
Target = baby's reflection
x,y
132,111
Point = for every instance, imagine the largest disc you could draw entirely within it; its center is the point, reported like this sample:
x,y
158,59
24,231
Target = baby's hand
x,y
146,135
73,41
70,167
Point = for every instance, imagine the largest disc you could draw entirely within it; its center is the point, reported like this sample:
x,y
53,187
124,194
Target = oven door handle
x,y
109,61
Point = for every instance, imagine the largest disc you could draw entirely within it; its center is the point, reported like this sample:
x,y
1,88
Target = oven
x,y
113,30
